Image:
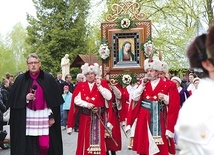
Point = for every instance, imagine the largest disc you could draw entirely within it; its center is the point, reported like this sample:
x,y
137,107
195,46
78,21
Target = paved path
x,y
69,145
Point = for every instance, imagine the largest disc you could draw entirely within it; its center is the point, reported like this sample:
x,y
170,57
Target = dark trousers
x,y
32,145
61,115
65,117
76,125
34,148
112,153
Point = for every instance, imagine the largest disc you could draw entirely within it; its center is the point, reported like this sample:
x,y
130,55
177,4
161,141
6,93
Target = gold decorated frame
x,y
114,36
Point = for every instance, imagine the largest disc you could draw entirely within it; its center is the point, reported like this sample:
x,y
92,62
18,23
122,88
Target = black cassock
x,y
20,144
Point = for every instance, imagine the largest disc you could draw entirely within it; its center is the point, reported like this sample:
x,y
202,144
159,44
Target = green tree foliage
x,y
11,51
58,28
93,21
174,25
208,6
15,41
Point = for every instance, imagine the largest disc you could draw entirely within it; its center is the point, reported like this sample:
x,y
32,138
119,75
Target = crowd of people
x,y
157,113
5,88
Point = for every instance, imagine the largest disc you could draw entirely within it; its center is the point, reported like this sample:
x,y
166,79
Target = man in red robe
x,y
91,98
150,134
173,108
113,144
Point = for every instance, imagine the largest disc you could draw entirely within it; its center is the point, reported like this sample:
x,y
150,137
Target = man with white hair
x,y
150,133
91,97
80,77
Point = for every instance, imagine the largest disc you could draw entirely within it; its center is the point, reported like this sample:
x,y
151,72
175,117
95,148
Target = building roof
x,y
82,59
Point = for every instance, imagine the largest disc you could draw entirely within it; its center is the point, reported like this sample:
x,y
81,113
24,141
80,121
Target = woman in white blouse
x,y
195,127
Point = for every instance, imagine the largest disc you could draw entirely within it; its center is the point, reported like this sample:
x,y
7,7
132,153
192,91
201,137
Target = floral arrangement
x,y
127,79
104,51
125,22
148,48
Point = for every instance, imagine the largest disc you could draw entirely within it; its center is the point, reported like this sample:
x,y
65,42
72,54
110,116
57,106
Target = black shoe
x,y
4,147
129,147
64,128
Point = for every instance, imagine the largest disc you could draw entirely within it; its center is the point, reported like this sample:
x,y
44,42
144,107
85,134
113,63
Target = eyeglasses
x,y
31,63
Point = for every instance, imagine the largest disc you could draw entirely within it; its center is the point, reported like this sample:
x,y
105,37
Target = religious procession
x,y
124,100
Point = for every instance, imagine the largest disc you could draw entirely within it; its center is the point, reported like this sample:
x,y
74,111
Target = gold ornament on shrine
x,y
125,22
133,9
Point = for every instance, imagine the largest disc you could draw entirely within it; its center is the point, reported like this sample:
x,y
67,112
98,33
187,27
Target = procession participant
x,y
194,126
67,96
59,81
195,83
79,78
173,108
35,112
184,81
92,97
150,129
3,109
113,119
126,102
68,82
191,87
184,94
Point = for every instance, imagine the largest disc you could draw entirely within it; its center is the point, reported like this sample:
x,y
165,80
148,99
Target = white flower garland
x,y
125,23
126,79
104,51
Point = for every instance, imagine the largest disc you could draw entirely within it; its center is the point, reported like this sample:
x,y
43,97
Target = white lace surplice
x,y
37,122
